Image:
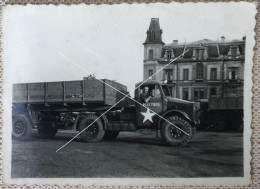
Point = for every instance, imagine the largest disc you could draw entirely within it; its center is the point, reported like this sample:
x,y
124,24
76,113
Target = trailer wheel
x,y
172,135
47,129
21,127
110,135
91,132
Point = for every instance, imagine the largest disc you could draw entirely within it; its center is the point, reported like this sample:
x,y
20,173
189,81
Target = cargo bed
x,y
80,91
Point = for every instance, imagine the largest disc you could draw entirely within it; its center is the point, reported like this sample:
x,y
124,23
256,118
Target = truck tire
x,y
95,132
47,129
21,127
110,135
173,136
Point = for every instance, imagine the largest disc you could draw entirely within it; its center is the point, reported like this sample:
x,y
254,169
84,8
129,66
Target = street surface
x,y
136,154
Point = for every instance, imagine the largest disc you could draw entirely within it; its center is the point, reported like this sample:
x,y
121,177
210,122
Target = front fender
x,y
173,112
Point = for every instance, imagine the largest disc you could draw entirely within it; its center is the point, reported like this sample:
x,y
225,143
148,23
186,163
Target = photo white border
x,y
226,181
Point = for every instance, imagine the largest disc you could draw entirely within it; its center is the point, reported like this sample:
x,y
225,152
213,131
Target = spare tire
x,y
91,129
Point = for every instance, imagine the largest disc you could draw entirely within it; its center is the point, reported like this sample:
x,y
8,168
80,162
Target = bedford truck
x,y
75,105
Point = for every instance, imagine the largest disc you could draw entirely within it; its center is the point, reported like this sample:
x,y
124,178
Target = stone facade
x,y
208,69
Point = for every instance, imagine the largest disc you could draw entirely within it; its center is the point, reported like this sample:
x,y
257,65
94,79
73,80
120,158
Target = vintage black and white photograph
x,y
140,94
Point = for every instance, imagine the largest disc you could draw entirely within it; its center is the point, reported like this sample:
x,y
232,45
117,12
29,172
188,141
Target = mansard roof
x,y
154,33
214,48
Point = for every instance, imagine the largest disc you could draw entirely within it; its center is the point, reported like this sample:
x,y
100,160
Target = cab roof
x,y
149,82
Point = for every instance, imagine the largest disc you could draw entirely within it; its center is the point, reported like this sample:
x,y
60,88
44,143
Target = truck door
x,y
152,100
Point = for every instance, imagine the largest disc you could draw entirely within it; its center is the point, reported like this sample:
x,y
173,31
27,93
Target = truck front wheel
x,y
91,129
21,127
172,135
47,129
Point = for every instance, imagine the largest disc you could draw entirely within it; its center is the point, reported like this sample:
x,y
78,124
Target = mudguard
x,y
176,112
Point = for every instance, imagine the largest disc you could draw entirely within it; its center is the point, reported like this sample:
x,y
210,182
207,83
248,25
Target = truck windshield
x,y
166,90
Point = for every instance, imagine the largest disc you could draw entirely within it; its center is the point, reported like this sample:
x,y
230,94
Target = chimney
x,y
175,42
222,38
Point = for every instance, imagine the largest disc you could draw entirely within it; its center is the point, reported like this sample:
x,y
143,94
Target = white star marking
x,y
148,115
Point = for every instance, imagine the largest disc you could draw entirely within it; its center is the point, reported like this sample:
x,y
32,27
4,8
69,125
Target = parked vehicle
x,y
74,105
220,114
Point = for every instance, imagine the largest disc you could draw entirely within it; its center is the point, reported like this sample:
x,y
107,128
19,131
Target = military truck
x,y
77,105
222,114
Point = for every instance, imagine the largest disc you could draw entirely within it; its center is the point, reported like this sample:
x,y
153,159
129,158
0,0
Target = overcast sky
x,y
41,42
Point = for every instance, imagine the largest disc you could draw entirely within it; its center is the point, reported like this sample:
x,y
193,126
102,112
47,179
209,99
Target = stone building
x,y
209,68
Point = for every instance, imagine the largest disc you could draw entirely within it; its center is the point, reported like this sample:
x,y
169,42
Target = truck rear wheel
x,y
21,127
110,135
172,135
91,132
47,129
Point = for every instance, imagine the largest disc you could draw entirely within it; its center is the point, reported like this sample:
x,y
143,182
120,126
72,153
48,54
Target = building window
x,y
213,74
197,52
152,33
169,55
168,75
213,92
200,71
185,93
199,93
150,73
150,57
185,74
233,52
202,51
232,74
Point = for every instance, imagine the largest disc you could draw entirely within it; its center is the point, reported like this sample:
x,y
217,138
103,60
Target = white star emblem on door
x,y
147,115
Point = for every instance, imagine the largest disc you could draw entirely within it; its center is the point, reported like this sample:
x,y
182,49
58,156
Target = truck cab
x,y
162,103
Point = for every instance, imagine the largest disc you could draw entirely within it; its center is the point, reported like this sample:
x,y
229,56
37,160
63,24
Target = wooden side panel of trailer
x,y
93,91
87,91
112,96
36,92
20,93
54,91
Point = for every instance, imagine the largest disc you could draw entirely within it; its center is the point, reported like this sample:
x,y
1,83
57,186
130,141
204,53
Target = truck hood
x,y
179,101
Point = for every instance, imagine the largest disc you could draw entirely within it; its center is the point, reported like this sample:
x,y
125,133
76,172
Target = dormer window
x,y
199,53
169,55
233,52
